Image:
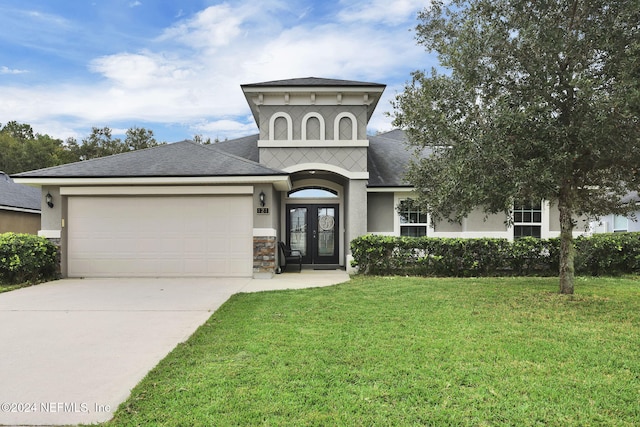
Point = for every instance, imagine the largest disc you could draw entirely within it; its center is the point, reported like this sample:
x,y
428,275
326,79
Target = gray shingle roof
x,y
180,159
246,147
387,157
18,196
311,81
387,161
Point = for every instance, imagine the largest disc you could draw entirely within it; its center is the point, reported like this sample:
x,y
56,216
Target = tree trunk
x,y
567,248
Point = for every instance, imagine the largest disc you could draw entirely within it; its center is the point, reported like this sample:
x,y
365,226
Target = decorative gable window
x,y
527,220
413,221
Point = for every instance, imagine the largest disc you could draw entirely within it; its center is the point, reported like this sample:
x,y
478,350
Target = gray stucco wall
x,y
272,202
380,212
51,217
353,159
356,215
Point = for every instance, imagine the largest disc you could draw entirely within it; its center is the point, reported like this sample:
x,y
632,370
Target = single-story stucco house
x,y
19,207
311,178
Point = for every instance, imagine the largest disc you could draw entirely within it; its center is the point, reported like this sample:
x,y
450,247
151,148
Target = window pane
x,y
527,230
413,231
326,222
537,216
298,236
313,192
620,223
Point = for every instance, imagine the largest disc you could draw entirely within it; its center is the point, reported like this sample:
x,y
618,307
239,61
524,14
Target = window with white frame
x,y
413,220
527,220
620,224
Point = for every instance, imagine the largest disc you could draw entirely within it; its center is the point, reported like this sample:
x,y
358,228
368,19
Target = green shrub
x,y
609,254
601,254
25,258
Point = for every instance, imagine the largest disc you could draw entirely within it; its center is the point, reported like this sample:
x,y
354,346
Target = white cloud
x,y
213,27
135,4
225,128
47,19
381,11
226,45
140,70
7,70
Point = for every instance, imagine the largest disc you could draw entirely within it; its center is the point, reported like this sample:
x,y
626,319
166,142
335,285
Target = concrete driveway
x,y
71,350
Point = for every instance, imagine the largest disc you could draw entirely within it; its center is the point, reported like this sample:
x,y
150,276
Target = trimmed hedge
x,y
608,254
602,254
26,258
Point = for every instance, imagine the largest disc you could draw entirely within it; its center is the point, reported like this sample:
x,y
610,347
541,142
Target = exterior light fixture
x,y
262,198
49,199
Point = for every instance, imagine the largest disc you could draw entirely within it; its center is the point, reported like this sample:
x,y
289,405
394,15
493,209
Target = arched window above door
x,y
313,193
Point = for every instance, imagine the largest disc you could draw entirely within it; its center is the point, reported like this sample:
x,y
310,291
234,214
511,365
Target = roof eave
x,y
19,209
280,181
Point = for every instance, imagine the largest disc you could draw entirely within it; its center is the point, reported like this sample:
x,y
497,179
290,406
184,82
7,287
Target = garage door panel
x,y
159,236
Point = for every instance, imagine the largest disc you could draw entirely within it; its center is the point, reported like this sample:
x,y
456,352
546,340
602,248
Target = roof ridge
x,y
233,156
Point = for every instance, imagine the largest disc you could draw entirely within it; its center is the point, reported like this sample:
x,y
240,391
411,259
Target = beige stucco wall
x,y
582,222
478,221
19,222
447,227
380,212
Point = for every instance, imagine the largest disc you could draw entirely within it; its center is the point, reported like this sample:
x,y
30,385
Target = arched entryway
x,y
313,224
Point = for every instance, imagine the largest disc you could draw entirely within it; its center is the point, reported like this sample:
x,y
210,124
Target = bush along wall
x,y
602,254
25,258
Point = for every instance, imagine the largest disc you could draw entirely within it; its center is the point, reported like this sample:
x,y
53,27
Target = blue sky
x,y
176,67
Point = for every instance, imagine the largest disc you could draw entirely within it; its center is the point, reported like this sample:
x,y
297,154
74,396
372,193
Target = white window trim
x,y
272,123
544,222
397,225
305,120
354,126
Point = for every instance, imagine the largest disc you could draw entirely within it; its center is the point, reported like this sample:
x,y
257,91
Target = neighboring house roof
x,y
180,159
17,196
312,81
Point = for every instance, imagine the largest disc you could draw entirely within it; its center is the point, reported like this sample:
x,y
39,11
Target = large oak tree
x,y
534,100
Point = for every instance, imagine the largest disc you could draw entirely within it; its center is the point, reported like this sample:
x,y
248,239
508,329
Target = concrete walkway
x,y
71,350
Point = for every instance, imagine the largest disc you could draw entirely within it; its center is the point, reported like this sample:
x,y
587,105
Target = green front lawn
x,y
407,351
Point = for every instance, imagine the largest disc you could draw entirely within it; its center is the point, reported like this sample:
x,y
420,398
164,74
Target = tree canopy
x,y
21,149
535,100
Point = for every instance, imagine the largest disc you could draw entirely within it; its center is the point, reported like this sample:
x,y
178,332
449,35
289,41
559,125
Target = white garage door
x,y
167,236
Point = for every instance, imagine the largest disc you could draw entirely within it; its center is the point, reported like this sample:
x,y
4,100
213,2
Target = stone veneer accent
x,y
264,256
